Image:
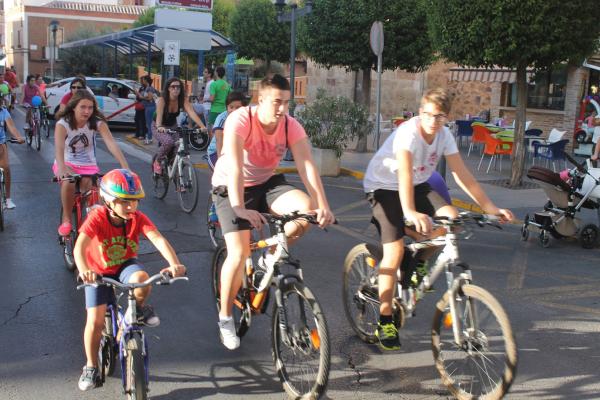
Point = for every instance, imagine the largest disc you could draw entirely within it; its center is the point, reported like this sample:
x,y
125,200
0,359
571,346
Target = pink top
x,y
262,152
65,99
29,92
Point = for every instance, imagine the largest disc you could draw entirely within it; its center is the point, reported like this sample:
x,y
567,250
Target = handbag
x,y
138,106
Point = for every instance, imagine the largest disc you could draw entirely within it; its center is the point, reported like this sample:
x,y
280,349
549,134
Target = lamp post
x,y
291,17
53,28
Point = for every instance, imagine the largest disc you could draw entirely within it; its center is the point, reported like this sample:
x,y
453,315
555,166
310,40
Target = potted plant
x,y
331,123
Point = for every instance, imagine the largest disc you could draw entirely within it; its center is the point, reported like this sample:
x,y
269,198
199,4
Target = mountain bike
x,y
123,336
3,191
299,337
34,135
44,121
179,168
84,202
471,338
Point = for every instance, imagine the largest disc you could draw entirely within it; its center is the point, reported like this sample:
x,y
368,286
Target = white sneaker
x,y
26,126
229,337
9,204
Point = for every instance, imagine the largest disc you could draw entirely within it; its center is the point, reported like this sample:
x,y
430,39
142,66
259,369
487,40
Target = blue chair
x,y
464,129
529,140
550,152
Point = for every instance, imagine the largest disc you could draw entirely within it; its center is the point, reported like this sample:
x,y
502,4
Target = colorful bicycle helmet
x,y
121,184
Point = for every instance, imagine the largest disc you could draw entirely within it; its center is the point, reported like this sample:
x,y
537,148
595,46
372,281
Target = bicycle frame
x,y
182,152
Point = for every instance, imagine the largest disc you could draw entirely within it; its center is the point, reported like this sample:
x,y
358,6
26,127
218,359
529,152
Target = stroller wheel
x,y
588,237
525,229
545,238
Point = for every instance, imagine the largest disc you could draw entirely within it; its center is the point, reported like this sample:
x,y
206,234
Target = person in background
x,y
219,90
147,94
30,89
11,77
78,83
234,101
7,124
209,75
39,80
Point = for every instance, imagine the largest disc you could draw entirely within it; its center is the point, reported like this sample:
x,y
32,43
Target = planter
x,y
326,161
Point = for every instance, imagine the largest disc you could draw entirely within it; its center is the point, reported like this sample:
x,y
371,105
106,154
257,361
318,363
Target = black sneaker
x,y
147,316
89,378
388,336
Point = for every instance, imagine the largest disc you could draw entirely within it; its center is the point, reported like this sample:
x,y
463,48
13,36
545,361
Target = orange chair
x,y
480,133
495,147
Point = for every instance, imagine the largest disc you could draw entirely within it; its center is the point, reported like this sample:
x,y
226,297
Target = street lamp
x,y
53,28
291,17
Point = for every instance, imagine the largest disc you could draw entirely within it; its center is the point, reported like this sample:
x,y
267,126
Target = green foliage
x,y
255,30
221,12
147,18
331,122
535,33
87,59
336,33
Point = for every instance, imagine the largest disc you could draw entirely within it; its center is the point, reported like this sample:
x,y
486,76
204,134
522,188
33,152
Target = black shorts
x,y
259,198
388,217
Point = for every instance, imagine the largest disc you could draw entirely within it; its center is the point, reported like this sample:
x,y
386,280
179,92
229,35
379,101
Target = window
x,y
98,87
546,91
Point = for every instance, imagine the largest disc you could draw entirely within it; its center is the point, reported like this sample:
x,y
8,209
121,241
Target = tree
x,y
86,59
146,18
336,33
516,34
255,30
221,12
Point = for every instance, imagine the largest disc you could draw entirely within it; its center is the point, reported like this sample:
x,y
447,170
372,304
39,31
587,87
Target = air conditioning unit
x,y
48,52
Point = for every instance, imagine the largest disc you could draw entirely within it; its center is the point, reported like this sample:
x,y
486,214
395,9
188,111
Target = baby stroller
x,y
565,199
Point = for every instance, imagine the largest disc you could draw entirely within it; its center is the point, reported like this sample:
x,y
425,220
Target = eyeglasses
x,y
175,87
76,87
437,117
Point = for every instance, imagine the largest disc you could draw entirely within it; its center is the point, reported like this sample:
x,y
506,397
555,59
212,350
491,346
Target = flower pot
x,y
326,161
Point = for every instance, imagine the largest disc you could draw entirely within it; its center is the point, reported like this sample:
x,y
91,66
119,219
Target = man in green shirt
x,y
219,90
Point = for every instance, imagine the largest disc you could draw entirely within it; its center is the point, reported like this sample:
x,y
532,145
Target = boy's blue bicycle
x,y
123,336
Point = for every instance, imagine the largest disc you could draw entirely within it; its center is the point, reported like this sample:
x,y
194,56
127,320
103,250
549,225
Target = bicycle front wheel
x,y
483,366
2,199
160,182
241,307
301,351
68,242
136,386
199,141
107,354
29,137
188,186
360,292
38,137
46,128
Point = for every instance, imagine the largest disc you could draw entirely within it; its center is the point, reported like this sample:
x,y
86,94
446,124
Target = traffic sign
x,y
201,4
169,18
376,38
188,40
171,52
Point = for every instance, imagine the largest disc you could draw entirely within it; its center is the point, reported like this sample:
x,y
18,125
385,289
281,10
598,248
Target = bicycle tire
x,y
29,137
2,200
214,227
38,137
160,181
362,315
68,243
309,336
107,354
188,186
442,336
136,386
46,127
199,141
241,307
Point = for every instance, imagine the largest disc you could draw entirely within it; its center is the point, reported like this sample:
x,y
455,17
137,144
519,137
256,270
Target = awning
x,y
138,39
486,75
593,62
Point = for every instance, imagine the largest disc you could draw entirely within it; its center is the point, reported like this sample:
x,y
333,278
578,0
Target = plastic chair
x,y
464,129
529,141
550,152
555,135
480,132
494,148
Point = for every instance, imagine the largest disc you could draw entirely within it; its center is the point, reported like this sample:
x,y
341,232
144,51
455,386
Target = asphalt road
x,y
551,296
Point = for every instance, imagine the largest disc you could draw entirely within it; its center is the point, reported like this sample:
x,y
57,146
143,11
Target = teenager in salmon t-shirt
x,y
245,184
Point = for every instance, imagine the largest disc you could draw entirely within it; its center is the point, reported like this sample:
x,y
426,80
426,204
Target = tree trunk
x,y
518,155
363,96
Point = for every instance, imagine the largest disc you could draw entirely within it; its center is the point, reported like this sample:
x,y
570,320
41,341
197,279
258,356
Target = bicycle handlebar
x,y
75,177
285,218
159,279
184,131
463,217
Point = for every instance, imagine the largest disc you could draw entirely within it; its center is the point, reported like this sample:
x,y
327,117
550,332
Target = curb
x,y
465,205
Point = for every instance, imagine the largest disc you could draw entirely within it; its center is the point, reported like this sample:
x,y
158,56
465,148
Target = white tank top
x,y
80,144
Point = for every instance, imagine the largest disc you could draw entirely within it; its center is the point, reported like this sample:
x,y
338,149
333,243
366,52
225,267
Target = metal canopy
x,y
137,40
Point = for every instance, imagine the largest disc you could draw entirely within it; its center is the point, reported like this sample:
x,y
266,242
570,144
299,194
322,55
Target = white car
x,y
123,95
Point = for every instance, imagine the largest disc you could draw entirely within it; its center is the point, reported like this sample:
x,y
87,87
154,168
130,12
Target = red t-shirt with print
x,y
112,245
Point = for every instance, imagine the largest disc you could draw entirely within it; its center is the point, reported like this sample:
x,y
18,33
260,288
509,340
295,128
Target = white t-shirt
x,y
382,169
80,144
206,99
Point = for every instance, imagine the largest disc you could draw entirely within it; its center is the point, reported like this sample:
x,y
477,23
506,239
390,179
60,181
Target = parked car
x,y
112,95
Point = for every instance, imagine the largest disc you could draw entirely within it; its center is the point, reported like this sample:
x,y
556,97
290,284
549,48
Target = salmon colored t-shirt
x,y
112,245
262,152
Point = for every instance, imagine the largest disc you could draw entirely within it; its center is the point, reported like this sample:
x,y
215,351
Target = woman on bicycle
x,y
75,148
168,107
244,185
30,90
107,245
7,124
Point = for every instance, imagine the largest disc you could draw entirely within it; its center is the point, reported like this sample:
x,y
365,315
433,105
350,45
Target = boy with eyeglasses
x,y
396,186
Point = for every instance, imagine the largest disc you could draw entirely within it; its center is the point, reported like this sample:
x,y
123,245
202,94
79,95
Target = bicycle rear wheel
x,y
68,242
484,366
360,293
46,127
38,137
160,181
136,386
241,305
301,355
199,141
212,223
29,137
188,186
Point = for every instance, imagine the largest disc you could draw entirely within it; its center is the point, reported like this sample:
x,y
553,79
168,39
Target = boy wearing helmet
x,y
107,245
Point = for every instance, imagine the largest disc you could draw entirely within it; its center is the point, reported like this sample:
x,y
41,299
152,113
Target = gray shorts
x,y
259,198
103,294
